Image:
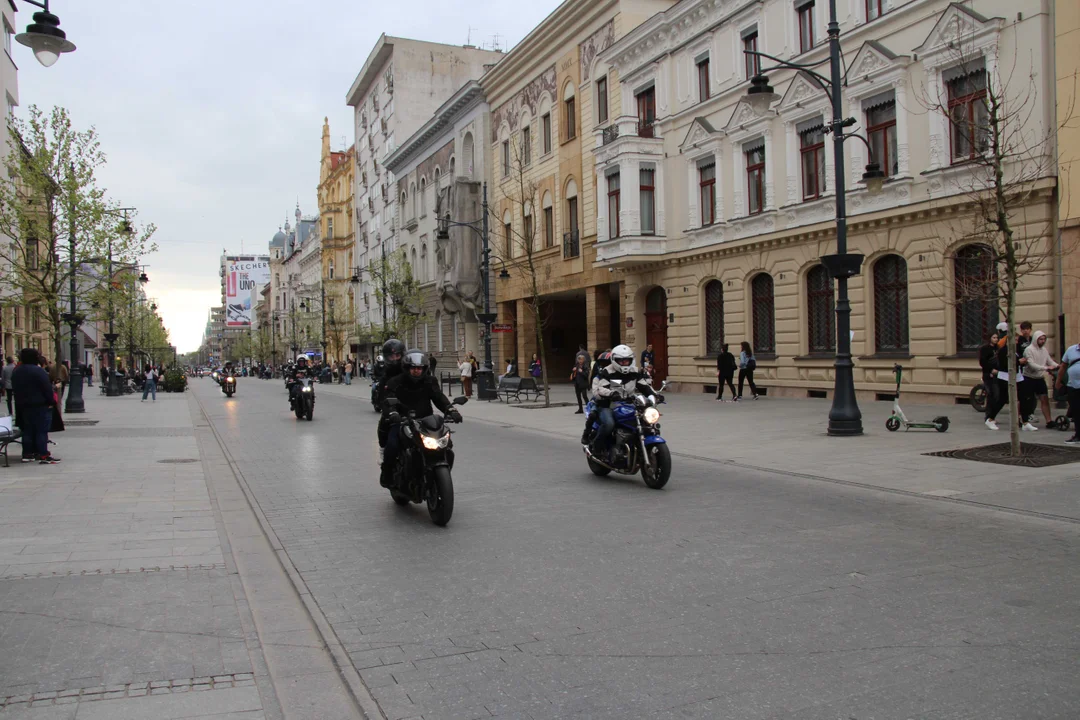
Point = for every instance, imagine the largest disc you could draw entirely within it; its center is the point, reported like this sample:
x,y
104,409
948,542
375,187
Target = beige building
x,y
335,194
715,218
403,82
1067,74
547,97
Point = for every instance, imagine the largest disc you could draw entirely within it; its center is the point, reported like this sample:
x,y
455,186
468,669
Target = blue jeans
x,y
607,428
150,387
348,378
35,423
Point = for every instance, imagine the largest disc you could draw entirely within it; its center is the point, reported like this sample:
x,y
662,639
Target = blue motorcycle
x,y
637,445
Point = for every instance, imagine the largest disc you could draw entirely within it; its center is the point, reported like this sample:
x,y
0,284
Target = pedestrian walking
x,y
989,366
1002,382
534,367
648,357
580,377
466,370
348,372
1039,365
34,402
747,365
150,386
5,382
725,373
89,375
1068,378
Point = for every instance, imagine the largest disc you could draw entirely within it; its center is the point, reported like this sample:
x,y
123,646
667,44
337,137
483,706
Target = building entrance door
x,y
656,331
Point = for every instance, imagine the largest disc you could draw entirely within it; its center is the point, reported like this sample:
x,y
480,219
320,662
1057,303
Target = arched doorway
x,y
656,321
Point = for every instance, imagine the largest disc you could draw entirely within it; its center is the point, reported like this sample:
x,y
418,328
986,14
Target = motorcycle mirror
x,y
461,400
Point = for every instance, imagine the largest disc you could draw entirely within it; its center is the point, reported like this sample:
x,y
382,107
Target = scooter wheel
x,y
892,424
1062,422
941,424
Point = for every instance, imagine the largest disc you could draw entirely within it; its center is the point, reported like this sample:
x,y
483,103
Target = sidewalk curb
x,y
358,690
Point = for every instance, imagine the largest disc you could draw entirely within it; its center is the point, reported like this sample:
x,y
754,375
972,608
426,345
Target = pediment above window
x,y
700,135
744,119
874,59
804,91
957,32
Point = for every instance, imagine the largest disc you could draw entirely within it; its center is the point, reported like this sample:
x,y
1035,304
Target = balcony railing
x,y
571,245
646,129
611,134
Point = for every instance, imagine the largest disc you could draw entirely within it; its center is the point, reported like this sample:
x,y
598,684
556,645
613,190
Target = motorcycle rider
x,y
603,359
416,390
300,369
392,351
621,368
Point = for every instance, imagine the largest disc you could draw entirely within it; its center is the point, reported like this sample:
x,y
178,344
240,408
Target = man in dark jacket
x,y
725,372
34,403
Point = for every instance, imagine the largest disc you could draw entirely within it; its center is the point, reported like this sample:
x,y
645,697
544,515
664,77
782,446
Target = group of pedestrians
x,y
725,371
468,367
33,401
1034,366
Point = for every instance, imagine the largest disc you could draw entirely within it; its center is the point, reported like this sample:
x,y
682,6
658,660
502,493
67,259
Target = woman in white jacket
x,y
1039,363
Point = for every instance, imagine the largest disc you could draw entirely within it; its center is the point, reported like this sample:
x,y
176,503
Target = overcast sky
x,y
211,113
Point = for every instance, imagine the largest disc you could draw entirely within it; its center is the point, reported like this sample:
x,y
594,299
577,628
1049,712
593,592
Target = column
x,y
598,317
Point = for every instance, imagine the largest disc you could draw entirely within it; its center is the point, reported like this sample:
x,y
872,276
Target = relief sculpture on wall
x,y
458,278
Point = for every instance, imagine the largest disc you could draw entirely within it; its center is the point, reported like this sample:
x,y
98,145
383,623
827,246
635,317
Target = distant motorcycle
x,y
228,385
422,470
376,387
637,444
304,400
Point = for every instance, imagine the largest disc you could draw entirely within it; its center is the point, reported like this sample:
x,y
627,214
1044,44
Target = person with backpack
x,y
725,373
150,386
747,365
1068,377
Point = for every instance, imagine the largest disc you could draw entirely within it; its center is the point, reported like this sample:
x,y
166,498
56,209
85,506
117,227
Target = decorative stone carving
x,y
529,97
595,44
743,114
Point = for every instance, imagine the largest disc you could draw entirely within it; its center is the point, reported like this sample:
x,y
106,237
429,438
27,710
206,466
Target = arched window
x,y
571,239
412,208
423,196
423,263
761,292
452,163
467,153
714,317
820,310
456,330
569,112
425,337
549,220
976,296
508,234
438,330
437,176
890,304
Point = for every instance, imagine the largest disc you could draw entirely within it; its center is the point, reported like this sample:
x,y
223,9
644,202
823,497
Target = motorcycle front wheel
x,y
440,501
299,410
310,409
658,468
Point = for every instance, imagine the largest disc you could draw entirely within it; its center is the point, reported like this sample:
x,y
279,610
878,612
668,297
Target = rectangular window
x,y
874,9
330,228
968,114
571,119
545,124
527,232
646,111
707,188
526,145
8,32
508,235
755,179
648,201
805,14
812,159
549,227
703,80
881,132
602,100
571,213
506,158
613,205
752,63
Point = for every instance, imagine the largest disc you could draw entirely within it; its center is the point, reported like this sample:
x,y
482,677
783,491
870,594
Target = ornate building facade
x,y
337,175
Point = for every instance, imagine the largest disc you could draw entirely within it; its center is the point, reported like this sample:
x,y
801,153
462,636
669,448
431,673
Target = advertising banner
x,y
243,281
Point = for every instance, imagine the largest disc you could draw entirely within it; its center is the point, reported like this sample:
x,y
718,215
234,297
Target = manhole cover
x,y
69,423
1034,455
178,461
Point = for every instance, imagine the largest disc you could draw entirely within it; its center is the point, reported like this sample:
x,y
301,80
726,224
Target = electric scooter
x,y
940,423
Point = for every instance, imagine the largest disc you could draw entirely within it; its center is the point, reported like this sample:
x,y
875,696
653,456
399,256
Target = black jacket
x,y
31,387
726,365
417,396
988,361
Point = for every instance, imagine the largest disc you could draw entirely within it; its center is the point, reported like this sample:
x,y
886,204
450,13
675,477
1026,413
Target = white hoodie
x,y
1038,358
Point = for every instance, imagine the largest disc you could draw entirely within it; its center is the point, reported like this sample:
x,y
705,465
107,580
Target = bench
x,y
6,438
508,388
529,386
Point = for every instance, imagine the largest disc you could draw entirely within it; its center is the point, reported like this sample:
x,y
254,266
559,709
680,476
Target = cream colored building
x,y
723,243
403,82
547,97
335,193
1067,75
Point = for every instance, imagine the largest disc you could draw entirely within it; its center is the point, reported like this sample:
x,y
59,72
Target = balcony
x,y
628,135
571,245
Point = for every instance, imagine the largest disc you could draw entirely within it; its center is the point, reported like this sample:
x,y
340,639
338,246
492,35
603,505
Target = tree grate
x,y
178,461
1034,455
126,690
81,422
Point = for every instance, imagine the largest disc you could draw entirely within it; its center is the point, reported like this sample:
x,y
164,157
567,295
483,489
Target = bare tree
x,y
996,131
395,284
520,253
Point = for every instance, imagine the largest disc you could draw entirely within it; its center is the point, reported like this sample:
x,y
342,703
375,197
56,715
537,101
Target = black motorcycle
x,y
228,385
422,470
376,388
303,401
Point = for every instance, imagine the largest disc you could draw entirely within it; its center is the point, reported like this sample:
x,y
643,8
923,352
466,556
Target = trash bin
x,y
485,384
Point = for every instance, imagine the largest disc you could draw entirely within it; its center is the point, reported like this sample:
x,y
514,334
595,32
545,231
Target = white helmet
x,y
301,357
622,360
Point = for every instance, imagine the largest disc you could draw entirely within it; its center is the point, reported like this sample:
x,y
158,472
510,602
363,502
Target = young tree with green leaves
x,y
394,281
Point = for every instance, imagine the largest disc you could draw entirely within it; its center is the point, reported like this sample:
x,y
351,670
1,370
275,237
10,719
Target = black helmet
x,y
414,358
392,347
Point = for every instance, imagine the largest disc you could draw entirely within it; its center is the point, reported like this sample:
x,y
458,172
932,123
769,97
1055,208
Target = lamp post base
x,y
75,402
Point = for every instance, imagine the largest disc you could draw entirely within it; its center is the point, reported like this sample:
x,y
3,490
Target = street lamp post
x,y
113,387
75,403
303,306
355,280
485,381
845,419
44,36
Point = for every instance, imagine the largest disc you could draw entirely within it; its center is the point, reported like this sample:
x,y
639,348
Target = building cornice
x,y
384,48
464,100
533,54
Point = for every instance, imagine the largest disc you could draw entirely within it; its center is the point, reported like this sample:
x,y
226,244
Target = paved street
x,y
736,592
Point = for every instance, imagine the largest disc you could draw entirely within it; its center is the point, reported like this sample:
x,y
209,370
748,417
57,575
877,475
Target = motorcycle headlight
x,y
652,415
230,380
435,443
307,388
